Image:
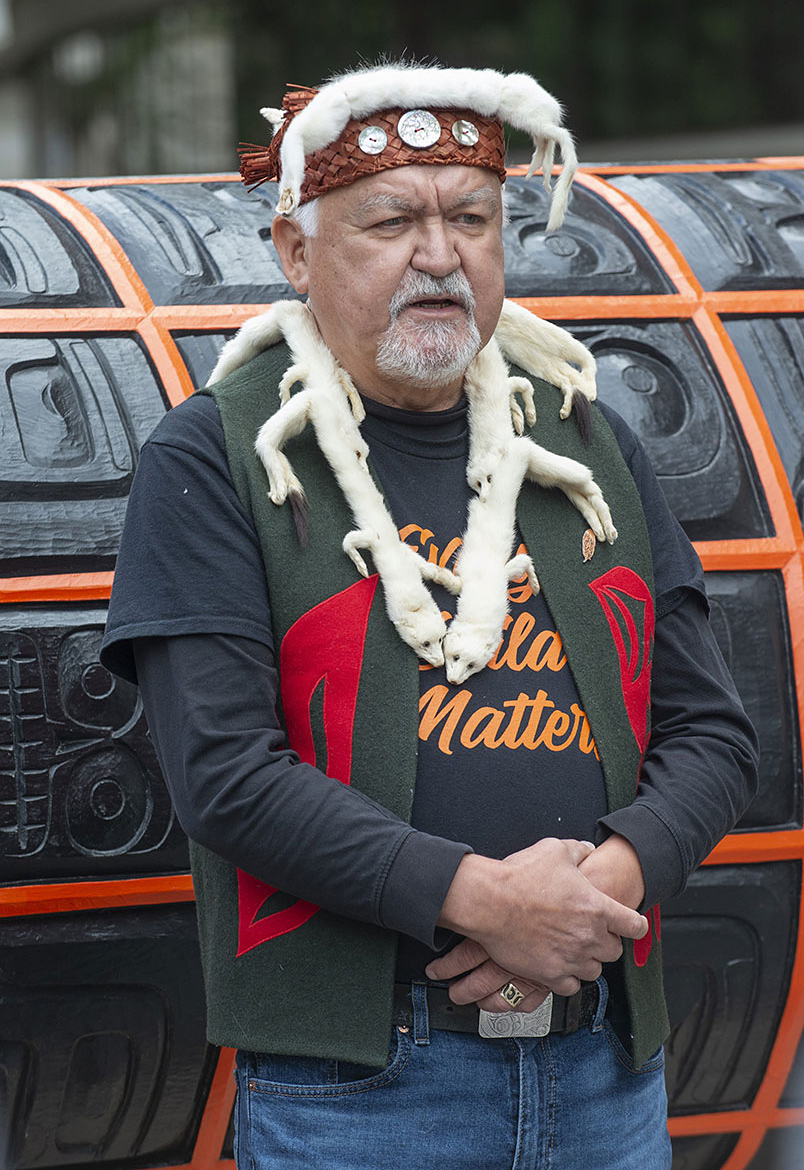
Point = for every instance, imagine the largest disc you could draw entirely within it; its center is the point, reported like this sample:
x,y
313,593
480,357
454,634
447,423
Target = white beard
x,y
429,354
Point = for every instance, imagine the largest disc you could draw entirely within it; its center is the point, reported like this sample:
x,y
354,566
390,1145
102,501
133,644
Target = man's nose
x,y
435,251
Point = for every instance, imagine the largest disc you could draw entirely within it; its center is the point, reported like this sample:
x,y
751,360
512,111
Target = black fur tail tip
x,y
583,416
300,509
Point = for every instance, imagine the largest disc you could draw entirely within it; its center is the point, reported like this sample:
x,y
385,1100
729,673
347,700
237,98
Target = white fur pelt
x,y
498,463
493,407
543,349
547,351
499,460
325,402
516,98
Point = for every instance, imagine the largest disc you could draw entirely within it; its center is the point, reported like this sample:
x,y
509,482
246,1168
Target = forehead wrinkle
x,y
388,201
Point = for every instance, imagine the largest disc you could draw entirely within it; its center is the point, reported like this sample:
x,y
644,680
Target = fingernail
x,y
428,970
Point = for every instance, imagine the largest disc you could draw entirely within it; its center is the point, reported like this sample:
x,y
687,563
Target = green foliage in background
x,y
155,86
622,67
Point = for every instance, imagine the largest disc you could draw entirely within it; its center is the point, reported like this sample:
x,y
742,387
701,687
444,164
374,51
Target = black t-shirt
x,y
504,759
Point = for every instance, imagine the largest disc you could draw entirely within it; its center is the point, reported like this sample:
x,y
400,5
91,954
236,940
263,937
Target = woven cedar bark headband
x,y
373,119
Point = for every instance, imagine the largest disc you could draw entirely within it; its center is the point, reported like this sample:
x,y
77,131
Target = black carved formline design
x,y
71,431
44,263
659,377
102,1051
729,944
781,1149
102,1056
701,1153
228,1141
81,793
195,261
750,621
772,350
737,230
195,243
199,352
25,804
595,251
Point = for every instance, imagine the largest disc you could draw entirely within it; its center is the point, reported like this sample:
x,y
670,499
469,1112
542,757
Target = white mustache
x,y
418,286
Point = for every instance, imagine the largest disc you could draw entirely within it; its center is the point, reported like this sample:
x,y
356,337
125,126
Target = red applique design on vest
x,y
326,643
628,606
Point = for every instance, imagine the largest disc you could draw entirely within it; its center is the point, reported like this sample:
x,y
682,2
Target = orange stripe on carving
x,y
769,163
119,269
165,354
70,321
68,897
215,1122
142,180
649,306
781,1059
657,239
757,553
754,424
58,587
194,318
700,1123
641,307
786,1118
766,300
781,845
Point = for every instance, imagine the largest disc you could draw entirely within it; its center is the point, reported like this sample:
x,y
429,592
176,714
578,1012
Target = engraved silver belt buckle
x,y
494,1025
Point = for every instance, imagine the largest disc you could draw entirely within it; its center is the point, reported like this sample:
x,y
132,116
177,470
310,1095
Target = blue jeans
x,y
456,1101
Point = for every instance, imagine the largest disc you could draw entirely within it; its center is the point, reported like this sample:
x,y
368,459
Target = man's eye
x,y
469,217
394,221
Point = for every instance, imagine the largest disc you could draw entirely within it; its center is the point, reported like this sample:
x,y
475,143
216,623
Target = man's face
x,y
404,278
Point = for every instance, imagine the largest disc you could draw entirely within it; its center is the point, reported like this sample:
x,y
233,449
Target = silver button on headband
x,y
419,128
466,133
372,140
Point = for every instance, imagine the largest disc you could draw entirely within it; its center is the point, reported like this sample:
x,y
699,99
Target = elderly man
x,y
406,928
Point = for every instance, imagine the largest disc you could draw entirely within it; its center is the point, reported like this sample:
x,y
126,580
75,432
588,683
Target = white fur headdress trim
x,y
516,98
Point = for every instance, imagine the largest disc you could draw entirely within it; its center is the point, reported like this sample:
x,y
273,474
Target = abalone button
x,y
419,128
466,133
372,140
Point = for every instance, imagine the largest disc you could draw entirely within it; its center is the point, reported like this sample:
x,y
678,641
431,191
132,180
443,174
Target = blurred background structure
x,y
114,87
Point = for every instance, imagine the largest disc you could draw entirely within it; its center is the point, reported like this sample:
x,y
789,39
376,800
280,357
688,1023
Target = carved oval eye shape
x,y
425,645
470,666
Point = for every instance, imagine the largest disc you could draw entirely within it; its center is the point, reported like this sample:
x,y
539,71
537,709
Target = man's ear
x,y
290,243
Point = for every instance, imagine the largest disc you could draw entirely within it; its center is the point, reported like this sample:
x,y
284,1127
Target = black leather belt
x,y
569,1012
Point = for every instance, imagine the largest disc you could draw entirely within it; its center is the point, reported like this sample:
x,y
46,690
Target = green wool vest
x,y
285,976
